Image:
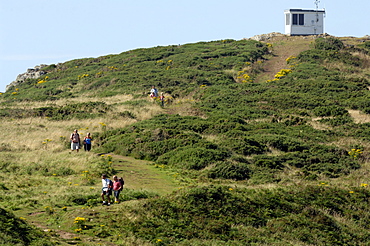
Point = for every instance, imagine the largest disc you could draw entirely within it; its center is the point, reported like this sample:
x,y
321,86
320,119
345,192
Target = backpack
x,y
122,182
88,140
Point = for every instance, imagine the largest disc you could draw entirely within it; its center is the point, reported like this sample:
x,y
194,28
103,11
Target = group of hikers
x,y
154,94
76,141
110,187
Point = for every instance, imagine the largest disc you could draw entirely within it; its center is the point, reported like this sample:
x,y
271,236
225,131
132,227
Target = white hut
x,y
304,21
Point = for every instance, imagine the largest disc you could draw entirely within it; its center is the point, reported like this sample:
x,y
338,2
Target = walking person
x,y
153,92
75,141
87,142
162,99
117,188
106,190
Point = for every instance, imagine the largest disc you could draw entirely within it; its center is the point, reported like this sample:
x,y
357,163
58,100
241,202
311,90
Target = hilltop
x,y
258,143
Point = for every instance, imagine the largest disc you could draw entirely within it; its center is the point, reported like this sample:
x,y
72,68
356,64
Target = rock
x,y
32,73
264,37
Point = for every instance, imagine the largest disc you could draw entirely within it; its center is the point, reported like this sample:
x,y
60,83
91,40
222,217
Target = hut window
x,y
298,19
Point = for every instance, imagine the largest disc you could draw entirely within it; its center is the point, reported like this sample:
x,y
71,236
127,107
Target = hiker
x,y
153,92
162,99
87,142
75,141
117,187
106,190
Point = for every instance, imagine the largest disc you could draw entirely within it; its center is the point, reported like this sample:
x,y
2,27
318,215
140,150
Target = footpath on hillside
x,y
283,47
138,175
141,174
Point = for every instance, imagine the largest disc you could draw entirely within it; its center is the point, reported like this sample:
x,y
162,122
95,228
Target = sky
x,y
34,32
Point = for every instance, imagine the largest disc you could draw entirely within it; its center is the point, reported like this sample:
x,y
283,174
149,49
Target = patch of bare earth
x,y
359,117
283,47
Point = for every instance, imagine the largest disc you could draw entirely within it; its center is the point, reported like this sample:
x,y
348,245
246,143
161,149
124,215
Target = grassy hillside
x,y
257,144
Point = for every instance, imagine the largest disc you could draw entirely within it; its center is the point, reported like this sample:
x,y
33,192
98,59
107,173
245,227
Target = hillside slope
x,y
256,144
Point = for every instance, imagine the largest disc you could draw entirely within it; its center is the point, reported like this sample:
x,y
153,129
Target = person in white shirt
x,y
106,190
153,92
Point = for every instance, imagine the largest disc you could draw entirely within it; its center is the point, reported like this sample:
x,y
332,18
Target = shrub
x,y
243,145
192,158
330,111
16,231
285,143
229,170
328,44
271,162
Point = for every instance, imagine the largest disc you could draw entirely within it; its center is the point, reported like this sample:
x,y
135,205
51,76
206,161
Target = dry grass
x,y
359,117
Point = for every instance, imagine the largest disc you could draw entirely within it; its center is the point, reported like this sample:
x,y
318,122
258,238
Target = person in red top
x,y
117,187
162,99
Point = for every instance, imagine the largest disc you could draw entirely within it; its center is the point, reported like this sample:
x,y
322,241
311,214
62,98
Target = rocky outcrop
x,y
32,73
264,37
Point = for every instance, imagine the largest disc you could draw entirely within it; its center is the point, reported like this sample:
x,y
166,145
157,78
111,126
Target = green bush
x,y
229,170
328,44
78,110
285,143
303,214
15,231
192,158
330,111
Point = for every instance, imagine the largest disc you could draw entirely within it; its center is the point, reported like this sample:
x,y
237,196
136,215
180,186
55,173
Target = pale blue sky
x,y
34,32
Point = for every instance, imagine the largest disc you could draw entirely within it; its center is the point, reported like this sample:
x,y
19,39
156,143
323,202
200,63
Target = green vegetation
x,y
229,159
16,231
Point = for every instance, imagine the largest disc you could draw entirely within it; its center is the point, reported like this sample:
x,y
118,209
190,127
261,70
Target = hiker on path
x,y
106,190
87,142
162,99
75,141
117,188
153,92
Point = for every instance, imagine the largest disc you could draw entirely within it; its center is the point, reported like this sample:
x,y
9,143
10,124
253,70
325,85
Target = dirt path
x,y
283,47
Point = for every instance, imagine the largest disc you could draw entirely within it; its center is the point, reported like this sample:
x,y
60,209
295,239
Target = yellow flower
x,y
230,189
351,192
364,185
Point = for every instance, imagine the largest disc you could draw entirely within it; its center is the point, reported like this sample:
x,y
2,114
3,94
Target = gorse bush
x,y
192,158
263,216
328,44
229,170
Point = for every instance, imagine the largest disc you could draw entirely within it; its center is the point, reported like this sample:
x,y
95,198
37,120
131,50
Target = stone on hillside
x,y
32,73
264,37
